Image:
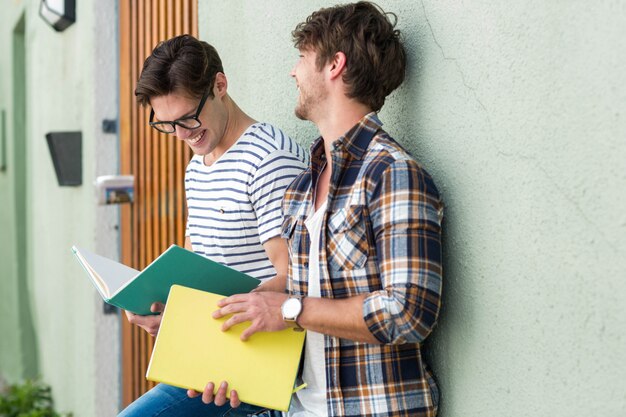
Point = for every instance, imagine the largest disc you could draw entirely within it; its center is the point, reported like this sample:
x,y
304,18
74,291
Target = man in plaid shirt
x,y
363,225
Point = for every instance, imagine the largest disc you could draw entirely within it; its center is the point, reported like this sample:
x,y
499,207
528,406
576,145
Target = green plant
x,y
29,399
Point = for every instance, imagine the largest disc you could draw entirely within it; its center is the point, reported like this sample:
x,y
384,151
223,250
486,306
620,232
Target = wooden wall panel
x,y
156,219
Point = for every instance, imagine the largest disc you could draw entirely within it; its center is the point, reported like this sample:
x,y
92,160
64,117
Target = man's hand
x,y
219,398
150,324
260,308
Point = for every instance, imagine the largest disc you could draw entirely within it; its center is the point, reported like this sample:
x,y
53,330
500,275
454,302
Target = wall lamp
x,y
66,151
59,14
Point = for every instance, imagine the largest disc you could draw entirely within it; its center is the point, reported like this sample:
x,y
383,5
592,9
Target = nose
x,y
181,132
293,72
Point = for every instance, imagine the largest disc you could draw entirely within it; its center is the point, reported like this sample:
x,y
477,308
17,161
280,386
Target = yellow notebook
x,y
191,350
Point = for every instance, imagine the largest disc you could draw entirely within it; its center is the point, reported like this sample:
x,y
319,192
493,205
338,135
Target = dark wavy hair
x,y
184,64
376,59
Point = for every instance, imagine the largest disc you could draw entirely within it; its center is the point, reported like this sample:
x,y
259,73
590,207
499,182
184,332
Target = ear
x,y
337,65
220,86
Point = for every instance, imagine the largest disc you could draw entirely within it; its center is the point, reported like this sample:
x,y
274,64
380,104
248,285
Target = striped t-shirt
x,y
234,205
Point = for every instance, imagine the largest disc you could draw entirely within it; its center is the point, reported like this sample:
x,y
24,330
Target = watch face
x,y
291,308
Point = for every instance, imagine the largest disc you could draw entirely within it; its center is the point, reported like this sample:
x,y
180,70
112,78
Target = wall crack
x,y
499,151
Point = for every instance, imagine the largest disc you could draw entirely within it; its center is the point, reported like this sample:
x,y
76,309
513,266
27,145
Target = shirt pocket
x,y
236,225
347,239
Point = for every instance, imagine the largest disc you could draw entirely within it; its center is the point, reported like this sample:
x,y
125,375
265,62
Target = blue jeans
x,y
167,401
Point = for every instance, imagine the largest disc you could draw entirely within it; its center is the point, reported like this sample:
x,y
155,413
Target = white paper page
x,y
113,273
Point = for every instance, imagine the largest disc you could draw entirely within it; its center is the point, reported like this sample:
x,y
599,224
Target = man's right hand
x,y
150,324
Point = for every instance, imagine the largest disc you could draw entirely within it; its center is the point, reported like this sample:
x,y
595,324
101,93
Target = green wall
x,y
18,352
517,109
50,315
55,342
28,346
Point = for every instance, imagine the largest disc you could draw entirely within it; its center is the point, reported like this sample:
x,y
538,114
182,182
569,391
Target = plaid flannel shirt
x,y
382,238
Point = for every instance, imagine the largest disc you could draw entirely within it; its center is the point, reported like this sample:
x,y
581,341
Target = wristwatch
x,y
291,309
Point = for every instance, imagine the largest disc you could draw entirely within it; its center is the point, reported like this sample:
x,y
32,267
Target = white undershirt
x,y
311,401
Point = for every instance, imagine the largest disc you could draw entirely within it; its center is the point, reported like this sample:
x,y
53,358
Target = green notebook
x,y
135,291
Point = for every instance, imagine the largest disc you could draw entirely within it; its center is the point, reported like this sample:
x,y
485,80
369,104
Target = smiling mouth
x,y
196,139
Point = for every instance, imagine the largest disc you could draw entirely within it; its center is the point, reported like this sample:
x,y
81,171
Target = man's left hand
x,y
219,398
262,309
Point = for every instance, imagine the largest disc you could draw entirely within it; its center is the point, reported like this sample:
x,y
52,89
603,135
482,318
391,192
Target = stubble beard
x,y
300,114
301,110
310,99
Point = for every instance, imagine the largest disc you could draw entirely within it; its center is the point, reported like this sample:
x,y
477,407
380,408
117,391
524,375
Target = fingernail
x,y
223,384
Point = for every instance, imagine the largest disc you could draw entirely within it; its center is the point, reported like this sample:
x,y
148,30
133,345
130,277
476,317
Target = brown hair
x,y
184,64
375,57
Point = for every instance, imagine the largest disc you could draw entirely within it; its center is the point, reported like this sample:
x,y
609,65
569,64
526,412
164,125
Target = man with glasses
x,y
234,186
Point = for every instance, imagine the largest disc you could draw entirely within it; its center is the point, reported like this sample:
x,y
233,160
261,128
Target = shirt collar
x,y
355,141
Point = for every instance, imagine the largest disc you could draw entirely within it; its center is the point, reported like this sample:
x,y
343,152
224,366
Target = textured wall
x,y
107,350
70,85
518,111
17,357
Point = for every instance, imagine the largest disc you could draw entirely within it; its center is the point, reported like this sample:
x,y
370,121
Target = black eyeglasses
x,y
189,123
